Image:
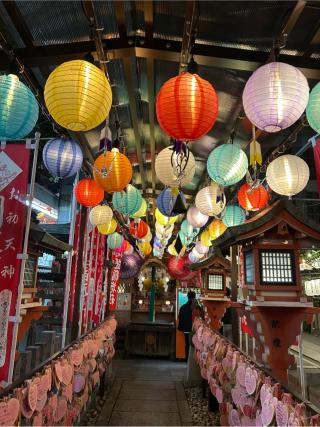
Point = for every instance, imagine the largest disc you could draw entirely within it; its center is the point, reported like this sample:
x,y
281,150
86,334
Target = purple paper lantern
x,y
275,96
130,266
202,249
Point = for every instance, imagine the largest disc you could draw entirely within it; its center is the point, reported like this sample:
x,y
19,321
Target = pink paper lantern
x,y
202,249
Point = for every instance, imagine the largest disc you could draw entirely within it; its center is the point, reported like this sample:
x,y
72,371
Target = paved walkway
x,y
146,393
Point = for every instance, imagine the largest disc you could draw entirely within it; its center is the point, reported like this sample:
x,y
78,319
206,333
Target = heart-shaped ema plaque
x,y
9,411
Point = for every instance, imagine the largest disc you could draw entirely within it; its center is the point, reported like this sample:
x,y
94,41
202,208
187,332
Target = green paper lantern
x,y
233,216
313,110
127,202
188,230
114,241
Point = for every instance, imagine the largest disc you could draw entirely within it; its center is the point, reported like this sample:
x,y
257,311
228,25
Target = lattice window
x,y
215,282
249,267
277,267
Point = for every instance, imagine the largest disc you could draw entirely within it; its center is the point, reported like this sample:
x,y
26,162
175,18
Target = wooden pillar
x,y
234,293
79,267
152,295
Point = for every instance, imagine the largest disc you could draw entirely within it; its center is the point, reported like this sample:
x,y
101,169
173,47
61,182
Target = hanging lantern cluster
x,y
163,232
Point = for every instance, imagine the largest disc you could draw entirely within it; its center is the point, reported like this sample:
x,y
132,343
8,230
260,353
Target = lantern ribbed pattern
x,y
130,266
123,247
167,166
188,230
210,200
185,240
78,95
141,211
313,112
166,201
127,202
205,238
252,199
227,164
287,175
19,109
275,96
202,249
139,228
164,220
112,171
145,248
187,107
148,237
108,228
88,193
196,218
192,257
216,229
114,240
233,216
129,250
62,157
100,215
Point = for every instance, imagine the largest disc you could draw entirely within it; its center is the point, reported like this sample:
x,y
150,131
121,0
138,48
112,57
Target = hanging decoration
x,y
255,150
287,175
145,248
112,170
233,216
188,230
62,157
313,114
172,250
275,96
108,228
252,198
130,266
187,107
178,268
139,229
78,95
164,220
227,164
100,215
141,211
129,249
114,240
148,237
171,202
316,155
123,247
175,165
19,110
127,202
211,200
88,193
196,218
216,229
205,238
185,240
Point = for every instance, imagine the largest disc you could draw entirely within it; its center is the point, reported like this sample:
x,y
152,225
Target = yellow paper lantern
x,y
171,249
78,95
108,228
164,220
216,229
145,248
205,238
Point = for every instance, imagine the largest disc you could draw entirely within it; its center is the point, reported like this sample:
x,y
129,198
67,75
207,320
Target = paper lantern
x,y
178,268
88,193
62,157
123,247
252,199
313,113
187,107
164,220
145,248
185,240
275,96
211,200
141,211
112,171
172,250
172,170
114,240
139,228
101,214
130,266
108,228
205,238
188,230
129,249
147,237
201,249
127,202
166,201
19,108
192,257
216,229
287,175
233,215
78,95
196,218
227,164
196,253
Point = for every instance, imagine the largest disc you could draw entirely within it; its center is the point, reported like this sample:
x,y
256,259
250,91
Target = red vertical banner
x,y
88,250
93,274
241,268
75,254
14,170
114,280
316,154
96,313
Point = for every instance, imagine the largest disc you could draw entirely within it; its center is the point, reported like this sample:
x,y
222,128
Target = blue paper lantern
x,y
114,241
19,108
166,202
233,216
188,230
127,202
227,164
62,157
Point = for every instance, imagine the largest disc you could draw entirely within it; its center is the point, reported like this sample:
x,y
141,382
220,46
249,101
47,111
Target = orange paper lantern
x,y
252,199
216,229
112,171
88,193
139,229
187,107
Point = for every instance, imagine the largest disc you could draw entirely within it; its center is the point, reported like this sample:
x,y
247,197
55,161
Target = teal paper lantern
x,y
185,240
313,111
19,108
114,241
227,164
127,202
188,230
233,216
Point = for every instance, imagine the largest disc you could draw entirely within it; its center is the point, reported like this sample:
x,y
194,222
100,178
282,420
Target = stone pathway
x,y
146,393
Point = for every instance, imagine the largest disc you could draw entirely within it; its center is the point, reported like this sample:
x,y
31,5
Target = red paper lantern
x,y
88,193
139,229
187,107
252,199
178,268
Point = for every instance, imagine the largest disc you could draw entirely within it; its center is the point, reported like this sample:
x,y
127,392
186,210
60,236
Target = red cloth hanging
x,y
316,154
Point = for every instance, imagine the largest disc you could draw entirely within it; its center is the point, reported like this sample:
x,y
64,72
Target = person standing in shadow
x,y
185,320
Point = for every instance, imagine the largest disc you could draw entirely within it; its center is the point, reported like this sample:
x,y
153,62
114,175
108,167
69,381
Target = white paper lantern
x,y
196,253
196,218
169,170
100,214
211,200
287,175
